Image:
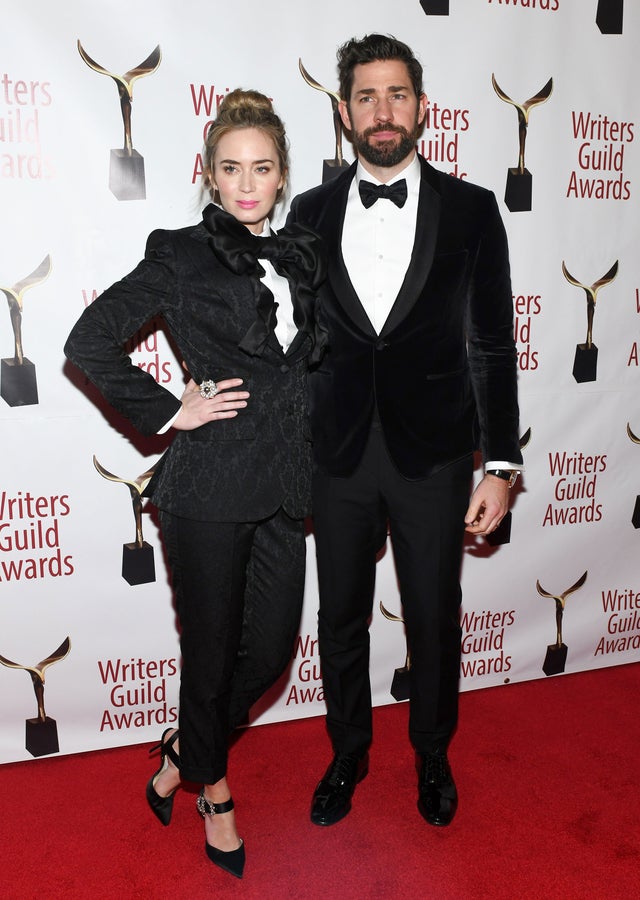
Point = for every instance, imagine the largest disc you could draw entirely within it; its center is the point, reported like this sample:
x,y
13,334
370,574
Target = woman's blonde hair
x,y
245,109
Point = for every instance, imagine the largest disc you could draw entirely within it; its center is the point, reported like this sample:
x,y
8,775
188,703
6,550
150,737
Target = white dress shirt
x,y
377,242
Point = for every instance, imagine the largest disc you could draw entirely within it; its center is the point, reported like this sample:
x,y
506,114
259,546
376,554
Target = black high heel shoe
x,y
231,861
162,807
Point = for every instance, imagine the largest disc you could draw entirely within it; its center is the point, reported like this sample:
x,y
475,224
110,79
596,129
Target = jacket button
x,y
381,345
284,368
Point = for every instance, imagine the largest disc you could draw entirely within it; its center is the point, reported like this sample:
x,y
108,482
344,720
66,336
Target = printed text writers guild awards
x,y
126,171
137,557
518,192
330,167
609,16
401,684
556,657
41,732
18,385
635,518
586,359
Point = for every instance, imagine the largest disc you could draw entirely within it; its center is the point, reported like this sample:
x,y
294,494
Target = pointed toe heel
x,y
231,861
162,807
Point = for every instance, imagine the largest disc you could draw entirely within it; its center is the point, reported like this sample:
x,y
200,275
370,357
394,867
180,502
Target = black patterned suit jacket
x,y
239,469
442,373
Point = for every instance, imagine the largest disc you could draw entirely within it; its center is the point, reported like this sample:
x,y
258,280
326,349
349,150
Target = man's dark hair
x,y
371,48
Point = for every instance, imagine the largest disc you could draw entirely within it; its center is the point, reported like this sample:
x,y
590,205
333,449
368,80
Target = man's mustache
x,y
376,129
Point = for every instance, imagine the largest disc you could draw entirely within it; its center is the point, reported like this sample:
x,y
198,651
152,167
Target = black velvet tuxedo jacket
x,y
238,469
442,372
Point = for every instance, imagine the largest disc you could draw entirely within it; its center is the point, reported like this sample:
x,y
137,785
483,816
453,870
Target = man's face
x,y
383,113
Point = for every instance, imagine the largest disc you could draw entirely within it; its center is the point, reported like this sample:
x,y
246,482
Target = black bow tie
x,y
396,192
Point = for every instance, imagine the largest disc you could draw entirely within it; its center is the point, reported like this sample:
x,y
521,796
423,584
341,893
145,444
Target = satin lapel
x,y
337,275
424,246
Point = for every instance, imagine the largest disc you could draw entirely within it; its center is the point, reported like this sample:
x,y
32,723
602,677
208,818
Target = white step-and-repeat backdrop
x,y
536,99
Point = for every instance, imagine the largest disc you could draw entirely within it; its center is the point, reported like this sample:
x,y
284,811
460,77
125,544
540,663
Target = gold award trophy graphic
x,y
554,661
635,518
435,7
138,566
18,385
401,684
585,362
126,171
330,167
609,16
41,732
518,192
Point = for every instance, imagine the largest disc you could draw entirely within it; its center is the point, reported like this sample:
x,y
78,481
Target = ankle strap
x,y
206,808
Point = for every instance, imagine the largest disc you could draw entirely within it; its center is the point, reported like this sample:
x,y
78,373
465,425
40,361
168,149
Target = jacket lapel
x,y
427,223
337,274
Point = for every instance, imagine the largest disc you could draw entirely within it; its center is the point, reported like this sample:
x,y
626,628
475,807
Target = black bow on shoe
x,y
396,192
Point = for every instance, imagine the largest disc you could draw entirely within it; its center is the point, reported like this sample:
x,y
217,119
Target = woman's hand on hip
x,y
198,410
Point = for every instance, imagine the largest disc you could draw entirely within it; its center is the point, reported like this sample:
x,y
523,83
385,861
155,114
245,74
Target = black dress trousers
x,y
239,590
426,524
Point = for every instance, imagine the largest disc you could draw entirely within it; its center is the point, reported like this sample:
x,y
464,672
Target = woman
x,y
233,487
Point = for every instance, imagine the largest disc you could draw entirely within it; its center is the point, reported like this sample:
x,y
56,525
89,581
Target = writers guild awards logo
x,y
330,167
585,364
554,661
609,16
126,171
18,385
41,732
435,7
635,518
502,534
138,566
519,180
401,684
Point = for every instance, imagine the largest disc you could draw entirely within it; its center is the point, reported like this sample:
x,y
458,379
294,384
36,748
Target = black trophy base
x,y
331,168
517,195
635,518
555,659
18,385
435,7
138,566
609,16
41,737
401,684
502,534
126,175
585,363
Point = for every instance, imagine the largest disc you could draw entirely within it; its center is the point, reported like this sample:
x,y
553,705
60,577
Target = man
x,y
421,371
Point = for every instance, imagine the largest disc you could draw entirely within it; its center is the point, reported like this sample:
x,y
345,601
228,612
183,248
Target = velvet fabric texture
x,y
443,370
238,469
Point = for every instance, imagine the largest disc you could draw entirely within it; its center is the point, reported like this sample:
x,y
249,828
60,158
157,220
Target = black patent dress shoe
x,y
437,794
332,797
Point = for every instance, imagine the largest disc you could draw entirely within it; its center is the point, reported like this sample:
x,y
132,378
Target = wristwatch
x,y
510,475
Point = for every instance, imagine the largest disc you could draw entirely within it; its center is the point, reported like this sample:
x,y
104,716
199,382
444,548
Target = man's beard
x,y
385,153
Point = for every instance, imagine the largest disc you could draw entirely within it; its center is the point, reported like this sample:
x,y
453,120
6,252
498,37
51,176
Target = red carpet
x,y
549,781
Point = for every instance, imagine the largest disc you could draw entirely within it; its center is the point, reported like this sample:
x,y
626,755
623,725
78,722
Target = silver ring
x,y
208,389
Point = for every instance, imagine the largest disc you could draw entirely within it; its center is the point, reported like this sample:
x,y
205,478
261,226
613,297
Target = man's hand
x,y
197,411
488,506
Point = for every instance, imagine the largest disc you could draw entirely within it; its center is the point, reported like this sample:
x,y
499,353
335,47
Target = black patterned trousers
x,y
238,590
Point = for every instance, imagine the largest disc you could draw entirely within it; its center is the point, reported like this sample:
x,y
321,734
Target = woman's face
x,y
247,175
